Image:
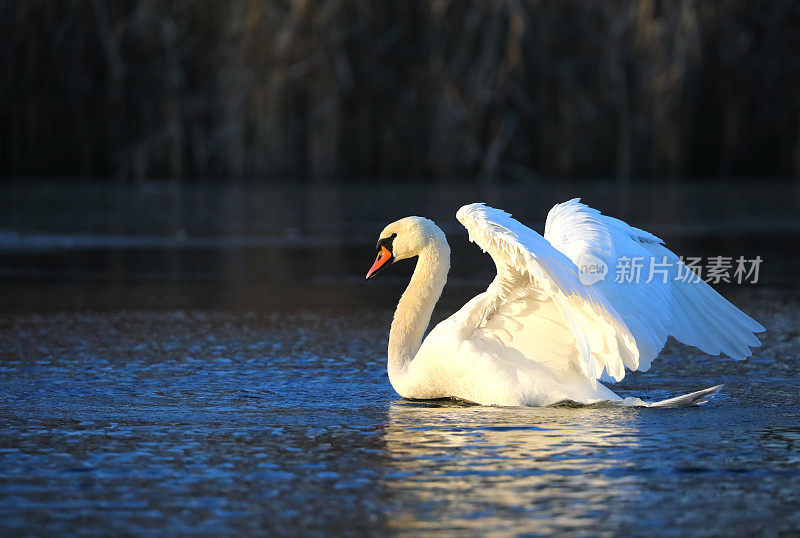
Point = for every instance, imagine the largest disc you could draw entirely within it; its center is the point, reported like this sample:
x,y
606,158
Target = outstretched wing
x,y
663,299
538,305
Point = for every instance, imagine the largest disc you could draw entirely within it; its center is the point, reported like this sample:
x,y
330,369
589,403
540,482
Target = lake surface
x,y
222,422
208,360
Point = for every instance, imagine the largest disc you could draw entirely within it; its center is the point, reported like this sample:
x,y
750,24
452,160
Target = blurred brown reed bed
x,y
350,89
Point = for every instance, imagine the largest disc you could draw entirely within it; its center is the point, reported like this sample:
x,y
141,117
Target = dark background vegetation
x,y
327,90
246,153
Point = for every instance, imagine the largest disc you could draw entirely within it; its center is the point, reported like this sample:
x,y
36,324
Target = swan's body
x,y
538,334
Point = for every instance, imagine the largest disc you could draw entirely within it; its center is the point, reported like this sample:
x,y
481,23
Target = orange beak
x,y
383,259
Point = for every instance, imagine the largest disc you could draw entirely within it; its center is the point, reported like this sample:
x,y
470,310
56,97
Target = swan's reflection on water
x,y
508,470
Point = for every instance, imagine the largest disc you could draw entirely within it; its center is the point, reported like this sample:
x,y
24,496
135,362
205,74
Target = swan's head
x,y
404,238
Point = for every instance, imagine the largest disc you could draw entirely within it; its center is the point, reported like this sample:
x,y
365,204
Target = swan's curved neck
x,y
416,305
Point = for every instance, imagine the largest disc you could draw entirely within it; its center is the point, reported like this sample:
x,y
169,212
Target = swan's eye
x,y
386,242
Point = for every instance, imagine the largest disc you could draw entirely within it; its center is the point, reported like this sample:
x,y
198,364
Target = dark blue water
x,y
284,422
206,359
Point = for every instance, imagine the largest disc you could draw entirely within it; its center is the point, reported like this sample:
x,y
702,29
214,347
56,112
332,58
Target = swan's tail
x,y
694,398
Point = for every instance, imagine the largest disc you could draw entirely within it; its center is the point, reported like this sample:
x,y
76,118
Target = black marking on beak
x,y
386,242
385,256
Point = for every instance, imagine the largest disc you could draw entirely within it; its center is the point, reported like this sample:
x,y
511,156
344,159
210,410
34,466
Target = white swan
x,y
538,334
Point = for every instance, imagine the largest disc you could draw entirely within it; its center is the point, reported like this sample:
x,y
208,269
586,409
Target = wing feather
x,y
538,287
690,310
539,305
